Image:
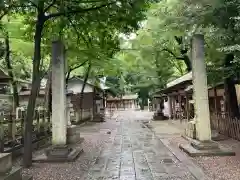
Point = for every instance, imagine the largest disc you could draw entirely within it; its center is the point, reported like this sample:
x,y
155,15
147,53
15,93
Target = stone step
x,y
14,174
5,162
27,178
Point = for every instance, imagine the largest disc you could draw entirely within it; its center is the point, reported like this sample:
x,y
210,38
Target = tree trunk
x,y
68,76
187,62
10,73
71,69
27,158
230,90
83,87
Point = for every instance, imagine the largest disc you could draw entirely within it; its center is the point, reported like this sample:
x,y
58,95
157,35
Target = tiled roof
x,y
130,96
184,78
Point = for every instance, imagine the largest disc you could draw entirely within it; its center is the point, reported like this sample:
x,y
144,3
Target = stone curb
x,y
194,169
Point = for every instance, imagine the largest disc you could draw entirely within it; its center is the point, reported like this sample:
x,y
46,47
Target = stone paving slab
x,y
131,151
137,154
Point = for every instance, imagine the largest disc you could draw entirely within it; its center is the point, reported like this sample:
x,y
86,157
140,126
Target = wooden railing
x,y
226,125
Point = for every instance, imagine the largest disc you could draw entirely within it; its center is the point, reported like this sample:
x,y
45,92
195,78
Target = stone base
x,y
190,130
98,118
159,116
73,136
14,174
59,154
6,170
208,148
27,178
218,137
204,145
5,162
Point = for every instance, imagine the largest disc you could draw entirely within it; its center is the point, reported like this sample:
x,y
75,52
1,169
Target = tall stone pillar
x,y
203,146
59,152
59,123
200,89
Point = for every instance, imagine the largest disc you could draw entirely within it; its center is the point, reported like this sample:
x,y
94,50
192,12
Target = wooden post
x,y
187,107
49,122
42,120
215,100
170,106
37,116
45,125
93,106
10,125
174,107
180,105
22,122
1,133
14,129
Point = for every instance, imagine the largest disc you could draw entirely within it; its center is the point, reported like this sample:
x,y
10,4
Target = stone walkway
x,y
137,154
122,148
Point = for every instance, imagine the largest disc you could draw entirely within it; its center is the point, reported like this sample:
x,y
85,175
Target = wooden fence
x,y
226,125
12,127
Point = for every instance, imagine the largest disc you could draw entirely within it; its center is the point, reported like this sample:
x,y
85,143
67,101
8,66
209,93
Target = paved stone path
x,y
136,154
122,148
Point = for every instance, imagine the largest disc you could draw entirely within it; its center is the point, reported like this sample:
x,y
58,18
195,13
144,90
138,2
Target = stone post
x,y
61,135
203,146
170,107
59,123
200,89
69,107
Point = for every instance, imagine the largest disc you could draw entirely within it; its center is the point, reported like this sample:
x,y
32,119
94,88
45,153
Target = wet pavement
x,y
122,148
137,154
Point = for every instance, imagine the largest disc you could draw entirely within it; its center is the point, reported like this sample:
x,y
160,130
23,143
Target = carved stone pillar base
x,y
205,148
63,153
60,153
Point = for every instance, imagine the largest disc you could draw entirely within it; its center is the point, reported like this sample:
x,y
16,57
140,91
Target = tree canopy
x,y
160,52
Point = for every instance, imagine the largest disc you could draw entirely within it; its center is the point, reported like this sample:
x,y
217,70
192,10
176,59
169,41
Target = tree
x,y
124,15
170,25
221,17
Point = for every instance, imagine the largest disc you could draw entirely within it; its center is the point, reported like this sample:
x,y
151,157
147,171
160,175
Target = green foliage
x,y
156,55
85,27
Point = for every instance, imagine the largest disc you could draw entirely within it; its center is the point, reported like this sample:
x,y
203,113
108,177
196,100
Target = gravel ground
x,y
218,168
96,137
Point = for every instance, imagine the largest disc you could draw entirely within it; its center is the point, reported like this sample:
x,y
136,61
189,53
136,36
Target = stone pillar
x,y
68,111
200,89
174,107
61,135
59,123
170,107
98,104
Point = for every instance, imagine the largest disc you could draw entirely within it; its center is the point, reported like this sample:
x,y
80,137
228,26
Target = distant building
x,y
124,102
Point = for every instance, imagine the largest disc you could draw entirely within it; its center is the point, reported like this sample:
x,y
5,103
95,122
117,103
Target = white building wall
x,y
76,86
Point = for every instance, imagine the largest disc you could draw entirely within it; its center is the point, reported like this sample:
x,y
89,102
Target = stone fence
x,y
12,127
